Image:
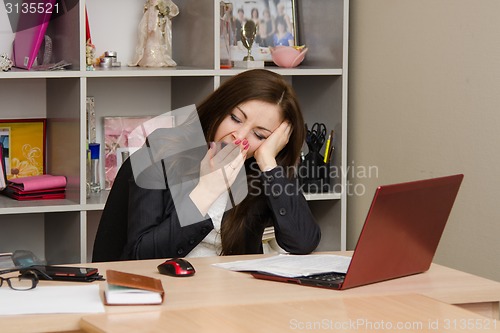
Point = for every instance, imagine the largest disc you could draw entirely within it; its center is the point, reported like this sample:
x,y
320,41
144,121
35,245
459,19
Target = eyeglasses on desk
x,y
26,280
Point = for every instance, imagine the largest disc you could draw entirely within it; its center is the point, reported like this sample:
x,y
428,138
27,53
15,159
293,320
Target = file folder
x,y
30,33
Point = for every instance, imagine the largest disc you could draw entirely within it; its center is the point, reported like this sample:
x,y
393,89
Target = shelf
x,y
153,72
148,72
11,206
51,226
322,196
97,200
301,70
25,74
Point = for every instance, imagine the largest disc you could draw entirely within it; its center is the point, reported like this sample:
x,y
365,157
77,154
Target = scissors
x,y
317,134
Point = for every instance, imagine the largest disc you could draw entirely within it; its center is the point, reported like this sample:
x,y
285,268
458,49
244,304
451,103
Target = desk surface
x,y
395,313
212,286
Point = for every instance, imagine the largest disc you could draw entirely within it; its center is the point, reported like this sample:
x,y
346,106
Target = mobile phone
x,y
65,273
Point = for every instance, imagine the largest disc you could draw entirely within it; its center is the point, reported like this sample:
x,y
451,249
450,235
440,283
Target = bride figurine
x,y
154,48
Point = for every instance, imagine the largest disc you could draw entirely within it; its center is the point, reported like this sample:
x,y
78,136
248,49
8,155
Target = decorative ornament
x,y
5,62
90,55
154,48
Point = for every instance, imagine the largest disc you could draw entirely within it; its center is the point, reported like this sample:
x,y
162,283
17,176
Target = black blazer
x,y
140,223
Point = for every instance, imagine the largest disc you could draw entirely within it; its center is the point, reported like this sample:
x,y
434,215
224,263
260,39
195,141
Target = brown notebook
x,y
131,289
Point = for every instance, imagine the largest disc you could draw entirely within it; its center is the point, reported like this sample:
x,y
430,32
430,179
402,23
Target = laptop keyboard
x,y
331,277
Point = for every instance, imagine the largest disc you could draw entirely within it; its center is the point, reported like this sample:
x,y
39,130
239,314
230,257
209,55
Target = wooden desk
x,y
215,286
212,286
395,313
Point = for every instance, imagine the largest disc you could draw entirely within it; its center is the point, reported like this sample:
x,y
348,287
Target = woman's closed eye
x,y
259,136
235,119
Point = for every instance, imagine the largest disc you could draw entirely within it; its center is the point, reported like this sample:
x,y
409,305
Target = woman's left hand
x,y
266,154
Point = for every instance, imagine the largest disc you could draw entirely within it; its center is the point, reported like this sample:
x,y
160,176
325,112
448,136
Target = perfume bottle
x,y
95,183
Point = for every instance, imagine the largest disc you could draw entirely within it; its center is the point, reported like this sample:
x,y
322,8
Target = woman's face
x,y
252,120
280,27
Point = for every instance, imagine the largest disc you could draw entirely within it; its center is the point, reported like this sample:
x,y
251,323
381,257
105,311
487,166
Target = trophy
x,y
248,32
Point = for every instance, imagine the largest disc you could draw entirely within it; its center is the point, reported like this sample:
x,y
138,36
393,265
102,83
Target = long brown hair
x,y
262,85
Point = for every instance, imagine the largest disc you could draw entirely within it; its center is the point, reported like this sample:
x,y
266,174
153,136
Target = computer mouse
x,y
176,267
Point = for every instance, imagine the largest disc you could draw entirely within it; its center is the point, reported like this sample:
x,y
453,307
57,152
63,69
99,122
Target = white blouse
x,y
211,245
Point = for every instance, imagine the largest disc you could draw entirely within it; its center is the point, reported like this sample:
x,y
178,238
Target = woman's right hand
x,y
229,159
218,171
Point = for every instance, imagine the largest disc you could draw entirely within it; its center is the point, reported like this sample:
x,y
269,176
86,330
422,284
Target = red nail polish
x,y
246,146
245,142
237,142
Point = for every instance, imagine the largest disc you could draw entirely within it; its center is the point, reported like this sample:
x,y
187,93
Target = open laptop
x,y
399,238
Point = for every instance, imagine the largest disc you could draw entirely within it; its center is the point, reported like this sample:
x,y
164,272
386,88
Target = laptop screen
x,y
402,230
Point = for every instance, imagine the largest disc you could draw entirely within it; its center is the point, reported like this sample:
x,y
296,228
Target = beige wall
x,y
424,101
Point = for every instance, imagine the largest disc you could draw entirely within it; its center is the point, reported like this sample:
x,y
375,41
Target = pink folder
x,y
29,35
41,182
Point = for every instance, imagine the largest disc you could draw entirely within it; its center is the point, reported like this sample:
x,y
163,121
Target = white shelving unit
x,y
62,231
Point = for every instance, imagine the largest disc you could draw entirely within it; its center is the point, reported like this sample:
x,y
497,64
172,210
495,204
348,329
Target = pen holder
x,y
314,174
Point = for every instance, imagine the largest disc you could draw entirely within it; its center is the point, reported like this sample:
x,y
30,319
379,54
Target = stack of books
x,y
36,187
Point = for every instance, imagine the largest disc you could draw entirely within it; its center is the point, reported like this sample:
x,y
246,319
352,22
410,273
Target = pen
x,y
327,148
330,153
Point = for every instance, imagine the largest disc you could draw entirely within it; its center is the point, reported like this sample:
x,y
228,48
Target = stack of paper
x,y
289,265
51,299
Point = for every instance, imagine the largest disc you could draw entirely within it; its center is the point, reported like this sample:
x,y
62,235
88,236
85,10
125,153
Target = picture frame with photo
x,y
270,15
123,136
23,146
116,132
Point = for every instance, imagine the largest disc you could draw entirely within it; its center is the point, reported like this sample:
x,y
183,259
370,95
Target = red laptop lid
x,y
402,230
